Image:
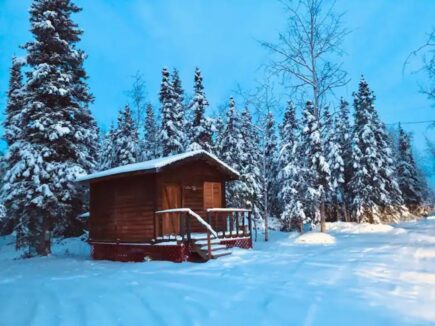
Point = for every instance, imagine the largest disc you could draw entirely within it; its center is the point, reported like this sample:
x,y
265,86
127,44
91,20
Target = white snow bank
x,y
315,238
347,227
71,247
430,217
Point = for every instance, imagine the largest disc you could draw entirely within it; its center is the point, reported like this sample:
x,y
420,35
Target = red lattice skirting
x,y
131,252
244,243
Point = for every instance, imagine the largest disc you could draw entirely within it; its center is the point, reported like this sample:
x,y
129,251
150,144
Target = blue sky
x,y
220,36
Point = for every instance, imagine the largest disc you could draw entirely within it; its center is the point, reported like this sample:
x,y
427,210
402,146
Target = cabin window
x,y
212,195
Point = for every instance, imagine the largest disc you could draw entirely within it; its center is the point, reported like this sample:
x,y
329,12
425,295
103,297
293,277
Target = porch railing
x,y
237,221
220,222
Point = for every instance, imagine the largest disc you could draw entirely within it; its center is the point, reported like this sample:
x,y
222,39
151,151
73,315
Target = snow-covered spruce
x,y
172,135
336,208
317,168
251,166
125,139
231,145
59,137
270,173
291,173
201,127
408,178
12,133
149,148
107,150
343,137
375,194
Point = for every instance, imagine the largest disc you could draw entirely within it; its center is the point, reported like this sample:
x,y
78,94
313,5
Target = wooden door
x,y
212,195
171,198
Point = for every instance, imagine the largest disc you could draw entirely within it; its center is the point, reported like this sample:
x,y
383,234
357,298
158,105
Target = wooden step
x,y
220,253
213,247
203,242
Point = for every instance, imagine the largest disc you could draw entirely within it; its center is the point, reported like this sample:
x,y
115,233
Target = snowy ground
x,y
365,278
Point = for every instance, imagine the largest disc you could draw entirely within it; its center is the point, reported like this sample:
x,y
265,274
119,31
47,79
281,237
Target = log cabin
x,y
172,208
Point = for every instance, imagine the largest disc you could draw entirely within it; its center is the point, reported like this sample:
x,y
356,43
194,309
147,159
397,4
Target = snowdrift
x,y
347,227
315,238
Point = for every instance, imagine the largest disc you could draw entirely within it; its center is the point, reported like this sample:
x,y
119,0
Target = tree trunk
x,y
345,213
322,218
43,245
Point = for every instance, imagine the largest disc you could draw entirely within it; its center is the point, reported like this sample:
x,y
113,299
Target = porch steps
x,y
204,242
217,249
214,247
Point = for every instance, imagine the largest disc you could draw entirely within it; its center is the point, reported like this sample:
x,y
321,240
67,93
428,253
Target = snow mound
x,y
71,247
315,238
347,227
430,217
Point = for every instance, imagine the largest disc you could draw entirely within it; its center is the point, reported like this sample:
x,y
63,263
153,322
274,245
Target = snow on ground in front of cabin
x,y
347,227
315,238
383,278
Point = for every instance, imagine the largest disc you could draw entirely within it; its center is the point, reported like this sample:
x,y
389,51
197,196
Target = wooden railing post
x,y
244,223
182,225
209,219
208,244
155,225
188,227
226,224
250,225
237,224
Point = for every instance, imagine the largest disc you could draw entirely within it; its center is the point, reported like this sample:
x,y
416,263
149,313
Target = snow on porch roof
x,y
155,165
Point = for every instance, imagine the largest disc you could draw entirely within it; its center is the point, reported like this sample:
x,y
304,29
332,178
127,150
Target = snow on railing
x,y
192,213
211,210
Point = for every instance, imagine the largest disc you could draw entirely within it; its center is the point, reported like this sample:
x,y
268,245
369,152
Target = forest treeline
x,y
320,162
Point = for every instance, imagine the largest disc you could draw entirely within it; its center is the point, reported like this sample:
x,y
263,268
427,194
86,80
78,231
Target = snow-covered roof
x,y
156,164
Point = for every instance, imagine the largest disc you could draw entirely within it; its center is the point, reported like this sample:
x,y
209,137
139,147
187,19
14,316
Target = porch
x,y
208,238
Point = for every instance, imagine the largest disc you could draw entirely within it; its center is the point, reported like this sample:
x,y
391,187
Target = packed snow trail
x,y
383,278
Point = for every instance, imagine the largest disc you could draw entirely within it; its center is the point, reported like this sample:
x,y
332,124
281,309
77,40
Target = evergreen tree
x,y
15,103
231,145
12,133
125,139
150,148
318,175
107,151
391,203
219,127
409,181
59,139
251,165
291,173
201,129
270,172
343,136
172,137
334,157
366,187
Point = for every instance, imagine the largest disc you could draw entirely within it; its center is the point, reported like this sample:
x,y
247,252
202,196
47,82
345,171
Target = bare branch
x,y
304,52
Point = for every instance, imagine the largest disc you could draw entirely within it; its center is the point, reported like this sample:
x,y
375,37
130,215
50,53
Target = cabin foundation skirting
x,y
244,243
139,252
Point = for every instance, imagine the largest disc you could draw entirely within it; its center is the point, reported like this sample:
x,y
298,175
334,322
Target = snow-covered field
x,y
367,277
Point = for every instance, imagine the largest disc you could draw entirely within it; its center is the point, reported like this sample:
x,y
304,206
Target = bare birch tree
x,y
138,98
427,53
304,54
